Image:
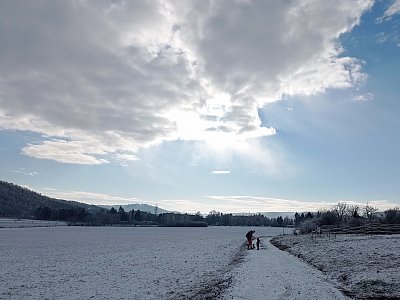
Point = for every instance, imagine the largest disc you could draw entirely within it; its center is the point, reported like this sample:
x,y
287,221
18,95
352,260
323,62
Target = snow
x,y
152,263
363,266
117,263
270,273
22,223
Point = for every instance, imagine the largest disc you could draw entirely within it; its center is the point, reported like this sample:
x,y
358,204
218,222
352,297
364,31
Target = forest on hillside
x,y
20,202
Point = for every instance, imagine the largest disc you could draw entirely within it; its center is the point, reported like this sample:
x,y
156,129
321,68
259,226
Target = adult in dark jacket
x,y
249,237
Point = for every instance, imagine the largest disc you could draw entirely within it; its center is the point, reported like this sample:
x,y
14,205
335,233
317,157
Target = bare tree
x,y
341,209
353,211
369,211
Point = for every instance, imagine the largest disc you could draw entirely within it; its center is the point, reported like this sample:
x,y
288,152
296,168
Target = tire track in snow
x,y
215,286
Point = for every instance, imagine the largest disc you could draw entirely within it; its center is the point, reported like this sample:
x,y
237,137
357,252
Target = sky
x,y
226,105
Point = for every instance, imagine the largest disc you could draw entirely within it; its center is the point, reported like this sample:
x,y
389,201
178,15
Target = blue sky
x,y
234,106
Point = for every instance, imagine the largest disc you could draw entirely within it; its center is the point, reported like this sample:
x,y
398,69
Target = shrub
x,y
392,216
307,226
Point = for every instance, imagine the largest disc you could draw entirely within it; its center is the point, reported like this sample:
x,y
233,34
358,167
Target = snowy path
x,y
270,273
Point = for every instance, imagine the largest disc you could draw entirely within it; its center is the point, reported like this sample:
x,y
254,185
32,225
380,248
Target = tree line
x,y
20,202
341,214
218,218
120,217
344,214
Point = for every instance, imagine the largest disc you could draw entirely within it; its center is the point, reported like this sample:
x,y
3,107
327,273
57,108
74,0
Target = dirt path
x,y
271,274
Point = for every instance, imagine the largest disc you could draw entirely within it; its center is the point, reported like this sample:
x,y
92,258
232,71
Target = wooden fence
x,y
372,229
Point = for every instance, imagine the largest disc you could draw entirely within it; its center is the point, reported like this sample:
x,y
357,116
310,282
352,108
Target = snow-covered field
x,y
364,266
20,223
192,263
121,263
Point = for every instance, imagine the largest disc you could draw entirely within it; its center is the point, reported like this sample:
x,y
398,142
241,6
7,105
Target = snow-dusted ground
x,y
153,263
22,223
119,263
272,274
364,266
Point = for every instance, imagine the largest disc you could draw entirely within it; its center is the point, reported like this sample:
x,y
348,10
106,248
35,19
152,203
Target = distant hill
x,y
276,214
20,202
271,214
137,206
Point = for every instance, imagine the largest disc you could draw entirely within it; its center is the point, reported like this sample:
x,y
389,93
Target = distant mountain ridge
x,y
138,206
271,214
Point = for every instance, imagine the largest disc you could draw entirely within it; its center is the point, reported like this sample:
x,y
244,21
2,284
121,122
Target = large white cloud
x,y
102,79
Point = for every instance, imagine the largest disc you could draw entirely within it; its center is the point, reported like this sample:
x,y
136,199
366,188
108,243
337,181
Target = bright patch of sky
x,y
202,105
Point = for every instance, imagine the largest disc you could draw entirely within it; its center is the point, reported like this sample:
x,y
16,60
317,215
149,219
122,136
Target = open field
x,y
23,223
363,266
193,263
119,263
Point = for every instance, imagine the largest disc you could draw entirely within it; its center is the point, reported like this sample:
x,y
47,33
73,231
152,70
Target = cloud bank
x,y
256,204
102,79
89,197
221,203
